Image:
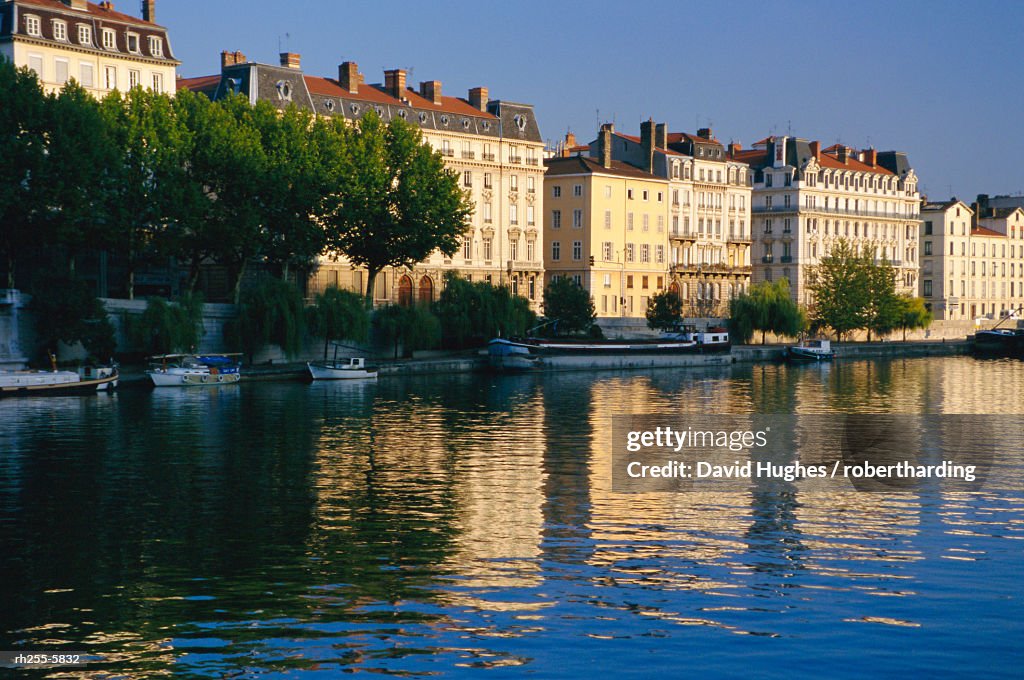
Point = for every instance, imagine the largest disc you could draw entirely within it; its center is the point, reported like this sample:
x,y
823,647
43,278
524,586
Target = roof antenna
x,y
789,128
287,37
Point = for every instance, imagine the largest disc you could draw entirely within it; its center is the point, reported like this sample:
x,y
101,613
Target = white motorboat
x,y
810,351
187,370
85,380
352,368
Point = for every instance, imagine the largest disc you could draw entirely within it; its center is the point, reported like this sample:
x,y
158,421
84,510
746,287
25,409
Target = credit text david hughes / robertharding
x,y
861,452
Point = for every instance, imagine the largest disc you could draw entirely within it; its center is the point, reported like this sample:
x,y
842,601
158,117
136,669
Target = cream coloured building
x,y
495,147
708,216
806,198
972,260
99,48
606,228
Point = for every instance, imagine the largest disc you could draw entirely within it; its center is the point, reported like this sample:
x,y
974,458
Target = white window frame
x,y
56,70
33,26
156,46
60,30
128,42
134,78
158,83
109,39
91,80
84,34
110,77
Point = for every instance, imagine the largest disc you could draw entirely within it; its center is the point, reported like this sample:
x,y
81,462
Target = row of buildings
x,y
626,216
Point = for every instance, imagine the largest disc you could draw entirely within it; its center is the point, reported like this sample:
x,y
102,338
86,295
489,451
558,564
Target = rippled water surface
x,y
449,524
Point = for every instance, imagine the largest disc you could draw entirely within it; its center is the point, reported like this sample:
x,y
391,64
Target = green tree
x,y
473,312
148,173
767,307
394,202
407,328
272,312
841,287
569,305
77,174
339,315
884,310
664,310
67,310
913,314
169,327
22,154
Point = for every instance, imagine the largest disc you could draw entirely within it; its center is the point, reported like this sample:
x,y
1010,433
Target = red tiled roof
x,y
983,231
199,83
374,93
750,155
829,161
92,8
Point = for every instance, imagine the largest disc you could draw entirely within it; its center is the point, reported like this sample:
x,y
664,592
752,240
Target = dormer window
x,y
133,43
156,46
33,26
84,35
60,30
109,39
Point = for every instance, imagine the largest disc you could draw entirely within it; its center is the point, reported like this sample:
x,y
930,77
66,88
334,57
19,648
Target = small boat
x,y
85,380
352,368
187,370
810,351
1001,341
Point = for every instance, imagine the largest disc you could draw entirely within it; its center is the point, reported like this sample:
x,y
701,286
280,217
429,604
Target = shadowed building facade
x,y
494,146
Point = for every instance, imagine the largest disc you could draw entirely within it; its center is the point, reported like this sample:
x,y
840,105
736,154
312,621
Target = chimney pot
x,y
431,89
148,11
291,60
231,58
816,150
478,98
734,148
704,133
394,82
348,76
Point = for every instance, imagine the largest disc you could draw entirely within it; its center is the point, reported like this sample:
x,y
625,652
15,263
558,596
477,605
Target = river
x,y
450,524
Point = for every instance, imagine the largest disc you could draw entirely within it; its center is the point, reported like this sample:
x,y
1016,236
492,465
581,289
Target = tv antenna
x,y
287,37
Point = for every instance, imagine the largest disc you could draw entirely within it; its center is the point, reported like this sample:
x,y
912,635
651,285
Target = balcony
x,y
448,153
515,159
682,235
786,259
738,239
767,259
469,155
832,210
719,268
531,161
487,156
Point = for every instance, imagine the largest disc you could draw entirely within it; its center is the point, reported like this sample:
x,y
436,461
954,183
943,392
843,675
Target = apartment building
x,y
495,146
99,48
806,198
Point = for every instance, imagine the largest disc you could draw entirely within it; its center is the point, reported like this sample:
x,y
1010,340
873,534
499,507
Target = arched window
x,y
426,291
405,291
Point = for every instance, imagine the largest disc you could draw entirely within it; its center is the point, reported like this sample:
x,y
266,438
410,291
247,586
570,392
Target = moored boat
x,y
186,370
1000,341
352,368
810,351
85,380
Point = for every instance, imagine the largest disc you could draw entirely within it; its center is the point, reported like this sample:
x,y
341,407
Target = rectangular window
x,y
60,31
513,249
86,75
556,192
530,245
577,218
577,190
645,252
133,43
61,68
467,178
467,249
514,182
607,190
647,222
530,184
109,39
513,214
487,180
645,194
33,26
645,283
629,252
110,77
606,251
629,221
661,223
488,247
556,250
629,194
659,251
133,79
35,63
607,219
556,219
158,83
927,247
927,288
487,212
84,34
156,46
529,215
629,281
577,250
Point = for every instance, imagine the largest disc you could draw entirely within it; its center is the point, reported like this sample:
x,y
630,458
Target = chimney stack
x,y
83,5
394,82
704,133
816,150
478,98
231,58
871,157
107,5
431,89
647,142
841,153
291,60
148,11
734,148
348,77
604,144
661,135
570,142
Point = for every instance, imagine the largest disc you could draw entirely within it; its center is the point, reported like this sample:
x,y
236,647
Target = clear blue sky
x,y
943,81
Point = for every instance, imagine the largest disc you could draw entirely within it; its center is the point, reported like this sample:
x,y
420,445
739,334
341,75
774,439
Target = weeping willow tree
x,y
271,313
169,326
339,315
